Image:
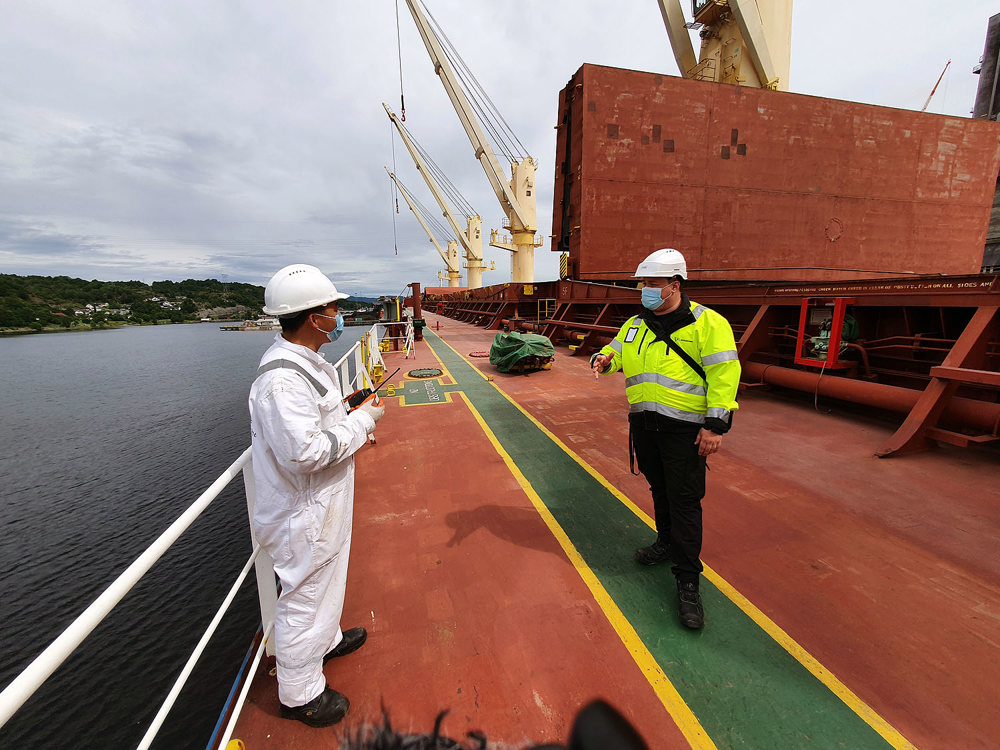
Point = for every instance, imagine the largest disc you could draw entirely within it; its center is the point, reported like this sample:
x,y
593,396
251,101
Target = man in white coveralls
x,y
304,441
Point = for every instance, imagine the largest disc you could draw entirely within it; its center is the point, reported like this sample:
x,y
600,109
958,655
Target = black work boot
x,y
654,554
324,710
353,640
689,605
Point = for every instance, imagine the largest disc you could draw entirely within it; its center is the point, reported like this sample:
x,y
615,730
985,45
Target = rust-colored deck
x,y
512,601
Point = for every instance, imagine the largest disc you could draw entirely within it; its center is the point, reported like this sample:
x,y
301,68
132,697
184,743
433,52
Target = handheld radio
x,y
365,394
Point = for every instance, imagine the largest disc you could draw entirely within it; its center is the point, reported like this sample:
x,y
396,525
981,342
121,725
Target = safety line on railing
x,y
238,706
182,678
25,684
41,668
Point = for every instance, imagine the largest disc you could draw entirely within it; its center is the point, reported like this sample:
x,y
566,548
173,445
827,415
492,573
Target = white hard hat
x,y
298,287
666,262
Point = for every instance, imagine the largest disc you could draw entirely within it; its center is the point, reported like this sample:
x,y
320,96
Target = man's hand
x,y
708,442
374,408
600,362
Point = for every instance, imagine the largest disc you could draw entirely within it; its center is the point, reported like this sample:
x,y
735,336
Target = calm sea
x,y
105,438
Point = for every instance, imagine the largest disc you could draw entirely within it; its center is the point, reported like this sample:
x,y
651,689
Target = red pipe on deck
x,y
960,412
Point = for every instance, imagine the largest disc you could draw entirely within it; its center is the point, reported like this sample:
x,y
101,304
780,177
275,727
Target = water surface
x,y
105,438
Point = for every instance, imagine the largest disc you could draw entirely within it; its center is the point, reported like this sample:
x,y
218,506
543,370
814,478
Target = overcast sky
x,y
180,139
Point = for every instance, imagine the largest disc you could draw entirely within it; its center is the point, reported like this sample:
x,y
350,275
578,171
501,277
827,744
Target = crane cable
x,y
446,185
392,135
392,192
399,50
489,114
428,216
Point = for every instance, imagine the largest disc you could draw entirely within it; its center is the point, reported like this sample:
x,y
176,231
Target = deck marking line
x,y
867,714
679,711
400,390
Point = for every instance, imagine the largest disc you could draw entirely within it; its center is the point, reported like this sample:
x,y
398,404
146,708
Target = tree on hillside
x,y
144,311
27,300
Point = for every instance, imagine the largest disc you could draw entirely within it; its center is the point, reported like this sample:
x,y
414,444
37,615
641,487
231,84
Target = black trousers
x,y
670,462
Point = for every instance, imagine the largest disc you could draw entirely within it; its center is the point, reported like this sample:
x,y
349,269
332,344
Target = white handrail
x,y
406,338
238,706
34,675
182,678
26,683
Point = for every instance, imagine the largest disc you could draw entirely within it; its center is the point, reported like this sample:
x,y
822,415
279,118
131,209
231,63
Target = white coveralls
x,y
303,468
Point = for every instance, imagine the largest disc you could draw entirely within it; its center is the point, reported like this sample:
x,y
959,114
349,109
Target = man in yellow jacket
x,y
681,376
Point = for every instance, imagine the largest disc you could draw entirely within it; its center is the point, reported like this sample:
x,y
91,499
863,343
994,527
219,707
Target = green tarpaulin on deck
x,y
523,351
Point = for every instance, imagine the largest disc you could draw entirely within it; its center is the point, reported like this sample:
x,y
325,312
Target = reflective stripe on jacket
x,y
303,465
660,381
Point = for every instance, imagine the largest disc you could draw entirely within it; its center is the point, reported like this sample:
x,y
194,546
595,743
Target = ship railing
x,y
406,338
354,371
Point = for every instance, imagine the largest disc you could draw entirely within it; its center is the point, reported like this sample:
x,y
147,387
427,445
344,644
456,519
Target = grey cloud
x,y
41,242
195,139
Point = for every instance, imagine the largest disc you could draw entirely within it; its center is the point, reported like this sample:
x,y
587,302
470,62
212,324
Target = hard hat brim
x,y
285,313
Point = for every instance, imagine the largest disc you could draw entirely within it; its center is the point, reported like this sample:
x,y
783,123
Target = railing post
x,y
267,590
374,353
408,339
364,378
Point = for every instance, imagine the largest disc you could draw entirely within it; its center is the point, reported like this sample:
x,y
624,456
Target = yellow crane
x,y
449,256
516,196
471,238
744,42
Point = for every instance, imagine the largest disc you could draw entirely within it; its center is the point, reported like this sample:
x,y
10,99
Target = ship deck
x,y
850,601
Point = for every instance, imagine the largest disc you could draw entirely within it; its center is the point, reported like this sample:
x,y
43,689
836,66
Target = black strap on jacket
x,y
664,325
687,358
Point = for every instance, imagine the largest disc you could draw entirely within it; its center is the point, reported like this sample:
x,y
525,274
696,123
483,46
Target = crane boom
x,y
516,197
483,150
747,14
931,95
431,184
680,41
471,238
450,258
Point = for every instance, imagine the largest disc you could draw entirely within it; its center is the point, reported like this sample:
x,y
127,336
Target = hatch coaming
x,y
755,184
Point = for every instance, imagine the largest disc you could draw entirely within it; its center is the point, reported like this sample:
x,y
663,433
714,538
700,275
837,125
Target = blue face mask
x,y
651,299
338,329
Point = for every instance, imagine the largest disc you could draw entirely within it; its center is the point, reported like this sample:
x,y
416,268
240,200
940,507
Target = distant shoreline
x,y
83,328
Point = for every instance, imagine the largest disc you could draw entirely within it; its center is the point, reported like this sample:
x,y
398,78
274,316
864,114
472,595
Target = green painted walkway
x,y
746,690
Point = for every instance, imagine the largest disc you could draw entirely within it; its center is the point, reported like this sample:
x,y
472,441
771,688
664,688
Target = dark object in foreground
x,y
654,554
360,396
598,726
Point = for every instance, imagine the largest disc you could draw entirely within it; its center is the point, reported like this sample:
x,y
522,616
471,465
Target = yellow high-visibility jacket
x,y
660,381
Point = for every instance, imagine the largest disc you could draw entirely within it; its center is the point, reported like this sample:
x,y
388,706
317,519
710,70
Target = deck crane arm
x,y
744,42
680,40
748,19
432,185
483,150
450,263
